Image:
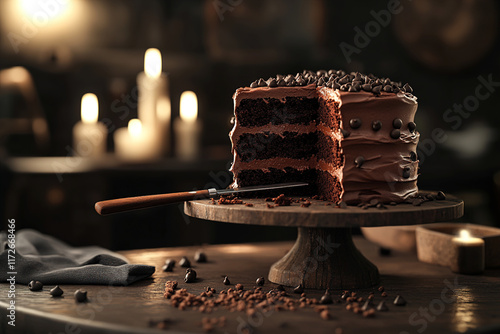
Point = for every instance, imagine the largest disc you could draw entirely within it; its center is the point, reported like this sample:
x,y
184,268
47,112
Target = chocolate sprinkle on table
x,y
298,289
35,285
56,291
382,307
200,257
440,196
399,301
226,281
80,296
184,262
260,281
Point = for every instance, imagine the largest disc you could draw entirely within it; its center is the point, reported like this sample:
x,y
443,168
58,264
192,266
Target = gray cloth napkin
x,y
48,260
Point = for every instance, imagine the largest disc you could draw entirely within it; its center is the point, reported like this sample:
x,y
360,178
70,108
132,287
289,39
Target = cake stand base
x,y
324,258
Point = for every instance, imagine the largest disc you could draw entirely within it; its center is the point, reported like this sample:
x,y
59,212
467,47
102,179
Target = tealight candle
x,y
187,128
468,254
89,136
134,143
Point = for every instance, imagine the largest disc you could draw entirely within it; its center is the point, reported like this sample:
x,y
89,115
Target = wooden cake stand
x,y
324,255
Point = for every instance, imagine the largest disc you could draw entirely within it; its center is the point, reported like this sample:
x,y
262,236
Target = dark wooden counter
x,y
431,308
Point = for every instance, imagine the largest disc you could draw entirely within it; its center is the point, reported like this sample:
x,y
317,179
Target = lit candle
x,y
153,94
134,143
187,128
468,254
89,136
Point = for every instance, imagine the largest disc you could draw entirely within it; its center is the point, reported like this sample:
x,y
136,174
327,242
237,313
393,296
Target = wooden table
x,y
432,307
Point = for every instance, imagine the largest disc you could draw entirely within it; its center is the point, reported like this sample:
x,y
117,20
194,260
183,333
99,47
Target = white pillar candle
x,y
134,143
89,136
153,94
468,254
187,128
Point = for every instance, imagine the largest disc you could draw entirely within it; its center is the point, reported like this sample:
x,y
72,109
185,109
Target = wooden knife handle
x,y
142,202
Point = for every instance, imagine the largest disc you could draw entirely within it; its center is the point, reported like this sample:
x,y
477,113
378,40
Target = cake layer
x,y
258,112
261,146
320,182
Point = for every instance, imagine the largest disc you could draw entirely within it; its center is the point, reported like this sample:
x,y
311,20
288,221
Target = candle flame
x,y
90,108
152,63
189,106
135,128
464,234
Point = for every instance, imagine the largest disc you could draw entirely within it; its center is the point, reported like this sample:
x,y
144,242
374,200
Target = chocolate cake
x,y
351,136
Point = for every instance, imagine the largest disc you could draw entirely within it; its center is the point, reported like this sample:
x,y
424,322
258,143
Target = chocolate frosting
x,y
381,175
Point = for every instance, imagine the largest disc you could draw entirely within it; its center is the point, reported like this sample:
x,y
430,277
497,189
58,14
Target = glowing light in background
x,y
90,108
43,11
152,63
135,128
189,106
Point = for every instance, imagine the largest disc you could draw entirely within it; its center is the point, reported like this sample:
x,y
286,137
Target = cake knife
x,y
142,202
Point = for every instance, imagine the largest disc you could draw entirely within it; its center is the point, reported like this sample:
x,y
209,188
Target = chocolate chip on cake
x,y
261,83
413,156
355,123
397,123
406,172
272,82
376,125
412,126
345,133
395,134
254,84
359,161
376,90
367,87
407,88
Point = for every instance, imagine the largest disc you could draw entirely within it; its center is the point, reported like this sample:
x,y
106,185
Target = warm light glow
x,y
464,234
163,109
44,10
135,128
189,106
152,63
90,108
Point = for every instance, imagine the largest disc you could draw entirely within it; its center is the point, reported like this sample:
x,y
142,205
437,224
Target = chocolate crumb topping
x,y
337,79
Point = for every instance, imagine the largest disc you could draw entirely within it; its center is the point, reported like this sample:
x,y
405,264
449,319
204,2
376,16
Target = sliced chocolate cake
x,y
350,136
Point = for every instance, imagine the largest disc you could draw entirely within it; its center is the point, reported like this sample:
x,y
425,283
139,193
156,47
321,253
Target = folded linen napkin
x,y
48,260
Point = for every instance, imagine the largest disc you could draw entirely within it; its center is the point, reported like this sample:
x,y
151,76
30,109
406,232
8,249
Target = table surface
x,y
439,301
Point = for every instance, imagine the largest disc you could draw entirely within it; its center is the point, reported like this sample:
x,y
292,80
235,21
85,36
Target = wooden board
x,y
473,304
321,215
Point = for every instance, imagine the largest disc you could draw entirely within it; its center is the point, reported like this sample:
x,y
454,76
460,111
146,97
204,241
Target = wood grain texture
x,y
473,304
324,258
320,215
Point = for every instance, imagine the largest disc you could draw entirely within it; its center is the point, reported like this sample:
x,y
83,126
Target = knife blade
x,y
142,202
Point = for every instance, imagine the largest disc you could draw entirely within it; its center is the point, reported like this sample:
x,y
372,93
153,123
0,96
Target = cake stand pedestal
x,y
324,255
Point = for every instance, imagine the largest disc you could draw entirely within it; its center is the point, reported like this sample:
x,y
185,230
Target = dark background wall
x,y
444,49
